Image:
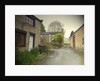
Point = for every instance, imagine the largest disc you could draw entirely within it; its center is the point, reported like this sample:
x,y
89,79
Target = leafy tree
x,y
55,26
43,28
58,38
72,32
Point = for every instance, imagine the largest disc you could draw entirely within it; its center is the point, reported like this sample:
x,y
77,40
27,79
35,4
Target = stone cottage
x,y
77,38
48,36
27,32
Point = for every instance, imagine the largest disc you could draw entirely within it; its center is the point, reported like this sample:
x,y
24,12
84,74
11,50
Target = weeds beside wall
x,y
29,57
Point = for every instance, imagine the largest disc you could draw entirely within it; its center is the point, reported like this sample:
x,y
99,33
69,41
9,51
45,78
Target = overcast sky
x,y
70,22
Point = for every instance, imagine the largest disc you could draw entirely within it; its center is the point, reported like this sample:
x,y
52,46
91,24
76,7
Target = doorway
x,y
31,42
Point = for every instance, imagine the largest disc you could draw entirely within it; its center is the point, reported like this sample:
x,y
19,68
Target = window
x,y
30,21
20,39
82,41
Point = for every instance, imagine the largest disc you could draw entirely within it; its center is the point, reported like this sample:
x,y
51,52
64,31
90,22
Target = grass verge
x,y
28,57
80,52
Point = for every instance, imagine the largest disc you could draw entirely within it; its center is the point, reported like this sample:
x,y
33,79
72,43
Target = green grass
x,y
80,52
28,57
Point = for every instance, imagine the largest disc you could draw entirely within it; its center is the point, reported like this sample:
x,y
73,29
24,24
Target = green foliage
x,y
29,57
43,49
26,57
23,58
56,45
72,32
42,28
34,51
58,38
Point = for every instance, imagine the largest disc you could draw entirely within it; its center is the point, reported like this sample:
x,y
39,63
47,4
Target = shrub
x,y
23,58
56,45
58,38
26,57
34,51
30,57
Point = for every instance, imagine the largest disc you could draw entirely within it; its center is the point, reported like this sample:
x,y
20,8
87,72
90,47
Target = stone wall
x,y
22,25
79,35
38,33
48,38
71,41
78,38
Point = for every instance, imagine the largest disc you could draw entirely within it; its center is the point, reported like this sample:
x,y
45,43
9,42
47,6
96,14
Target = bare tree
x,y
55,26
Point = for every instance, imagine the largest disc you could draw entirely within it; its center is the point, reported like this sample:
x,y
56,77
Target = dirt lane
x,y
62,56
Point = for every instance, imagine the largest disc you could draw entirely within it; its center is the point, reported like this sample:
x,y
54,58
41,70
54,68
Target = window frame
x,y
30,21
22,33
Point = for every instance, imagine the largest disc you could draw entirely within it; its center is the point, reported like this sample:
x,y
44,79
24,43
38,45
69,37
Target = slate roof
x,y
32,16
